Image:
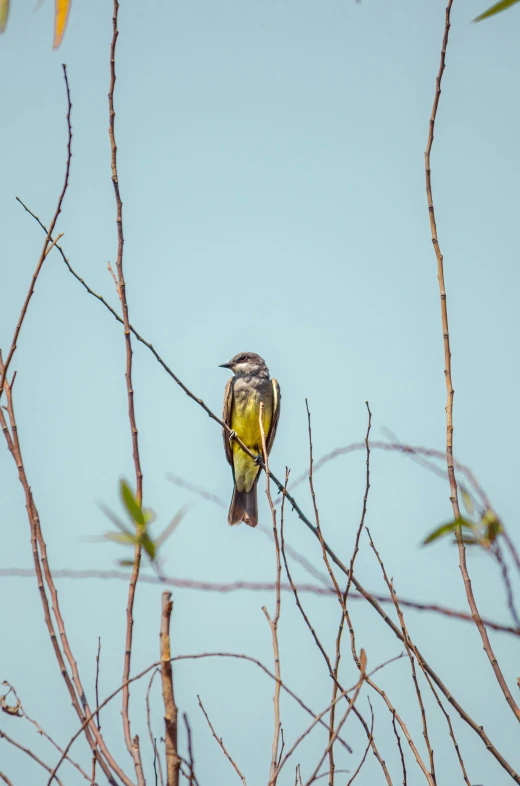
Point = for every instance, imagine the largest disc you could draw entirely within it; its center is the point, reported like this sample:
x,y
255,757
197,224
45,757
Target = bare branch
x,y
449,386
170,708
46,248
222,746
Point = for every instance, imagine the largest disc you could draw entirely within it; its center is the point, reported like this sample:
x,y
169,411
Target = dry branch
x,y
449,385
173,761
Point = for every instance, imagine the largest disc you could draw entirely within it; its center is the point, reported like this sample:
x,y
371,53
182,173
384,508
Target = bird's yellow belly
x,y
245,422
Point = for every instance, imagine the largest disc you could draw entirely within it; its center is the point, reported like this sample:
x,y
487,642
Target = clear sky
x,y
272,174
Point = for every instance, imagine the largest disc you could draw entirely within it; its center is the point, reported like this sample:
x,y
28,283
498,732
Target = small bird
x,y
250,386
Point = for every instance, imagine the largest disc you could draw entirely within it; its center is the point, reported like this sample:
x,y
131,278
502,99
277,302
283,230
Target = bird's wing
x,y
226,417
276,415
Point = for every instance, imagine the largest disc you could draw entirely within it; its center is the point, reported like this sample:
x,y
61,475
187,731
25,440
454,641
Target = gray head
x,y
246,363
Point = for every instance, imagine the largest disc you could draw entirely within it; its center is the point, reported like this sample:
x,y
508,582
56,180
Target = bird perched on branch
x,y
250,386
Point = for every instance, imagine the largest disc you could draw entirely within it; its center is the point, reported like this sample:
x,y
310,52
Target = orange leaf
x,y
60,20
4,13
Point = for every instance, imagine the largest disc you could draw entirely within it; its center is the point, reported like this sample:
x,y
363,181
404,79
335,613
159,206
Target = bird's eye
x,y
242,359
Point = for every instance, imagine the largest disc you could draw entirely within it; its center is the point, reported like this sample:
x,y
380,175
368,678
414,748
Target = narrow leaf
x,y
4,13
131,504
450,526
61,15
126,563
114,519
496,9
120,537
468,502
149,546
172,526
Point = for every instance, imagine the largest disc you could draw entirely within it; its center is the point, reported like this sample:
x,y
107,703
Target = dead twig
x,y
222,746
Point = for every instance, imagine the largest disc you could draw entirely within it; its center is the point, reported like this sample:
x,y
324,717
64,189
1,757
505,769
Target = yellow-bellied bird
x,y
250,386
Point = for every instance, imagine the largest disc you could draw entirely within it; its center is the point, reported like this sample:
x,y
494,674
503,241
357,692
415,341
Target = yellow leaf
x,y
4,13
61,15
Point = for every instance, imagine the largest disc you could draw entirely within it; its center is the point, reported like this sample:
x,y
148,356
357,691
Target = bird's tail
x,y
244,507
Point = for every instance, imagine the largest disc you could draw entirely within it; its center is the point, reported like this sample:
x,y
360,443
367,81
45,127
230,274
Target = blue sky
x,y
271,163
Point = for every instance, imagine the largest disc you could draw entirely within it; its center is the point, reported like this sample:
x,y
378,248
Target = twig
x,y
363,664
253,586
363,759
449,385
199,656
131,744
170,709
372,600
45,249
273,623
5,778
410,653
22,712
398,738
200,491
450,728
94,757
28,752
345,597
222,746
190,750
156,757
42,569
497,551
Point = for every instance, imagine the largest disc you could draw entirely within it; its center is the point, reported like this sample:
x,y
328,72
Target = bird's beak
x,y
225,365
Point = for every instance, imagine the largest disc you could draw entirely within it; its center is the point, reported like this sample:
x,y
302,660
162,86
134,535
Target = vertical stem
x,y
449,384
131,744
173,761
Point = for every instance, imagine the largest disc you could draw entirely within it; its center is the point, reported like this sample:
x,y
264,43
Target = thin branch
x,y
42,569
398,738
156,757
363,759
222,746
273,623
363,664
7,738
190,750
345,597
449,385
199,656
372,600
5,778
131,744
21,711
170,708
254,586
45,248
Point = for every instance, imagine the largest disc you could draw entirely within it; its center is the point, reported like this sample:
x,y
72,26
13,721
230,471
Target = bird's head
x,y
245,364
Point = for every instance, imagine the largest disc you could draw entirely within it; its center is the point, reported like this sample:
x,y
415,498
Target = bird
x,y
250,386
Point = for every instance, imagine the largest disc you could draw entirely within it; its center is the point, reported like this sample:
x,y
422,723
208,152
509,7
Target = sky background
x,y
271,165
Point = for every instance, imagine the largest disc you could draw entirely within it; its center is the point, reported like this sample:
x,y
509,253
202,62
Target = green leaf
x,y
444,529
131,504
120,537
468,502
172,526
149,546
496,9
115,520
